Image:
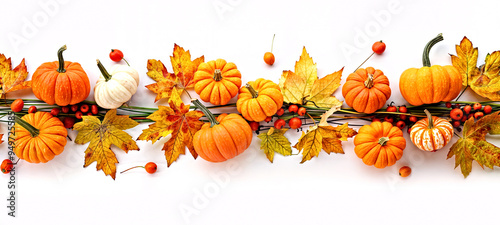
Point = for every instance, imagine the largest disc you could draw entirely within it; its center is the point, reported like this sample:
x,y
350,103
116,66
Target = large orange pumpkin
x,y
379,144
222,138
259,99
366,90
61,82
430,84
39,137
431,133
217,81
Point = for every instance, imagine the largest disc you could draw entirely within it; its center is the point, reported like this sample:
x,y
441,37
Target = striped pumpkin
x,y
431,133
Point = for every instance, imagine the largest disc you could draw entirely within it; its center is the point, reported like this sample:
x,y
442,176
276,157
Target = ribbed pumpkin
x,y
217,81
430,84
366,90
116,87
379,144
39,137
61,82
431,133
222,138
259,99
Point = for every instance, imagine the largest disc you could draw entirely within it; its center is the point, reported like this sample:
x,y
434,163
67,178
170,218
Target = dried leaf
x,y
486,82
322,90
12,79
178,121
183,67
101,136
328,113
275,141
473,145
466,60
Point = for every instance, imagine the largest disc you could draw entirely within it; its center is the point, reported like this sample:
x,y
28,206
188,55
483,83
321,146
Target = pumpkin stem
x,y
103,70
369,81
429,117
61,59
425,57
30,128
208,114
383,140
253,92
217,75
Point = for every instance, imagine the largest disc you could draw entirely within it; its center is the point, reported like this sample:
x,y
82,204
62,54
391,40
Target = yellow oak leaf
x,y
181,78
465,60
179,122
275,141
12,79
101,136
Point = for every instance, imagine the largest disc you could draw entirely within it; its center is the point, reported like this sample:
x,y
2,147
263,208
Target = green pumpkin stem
x,y
208,114
252,91
61,59
217,75
103,70
383,140
30,128
425,57
429,117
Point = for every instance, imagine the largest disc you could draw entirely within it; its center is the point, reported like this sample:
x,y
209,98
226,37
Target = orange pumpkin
x,y
217,81
61,82
259,99
431,133
366,90
39,137
379,144
222,138
430,84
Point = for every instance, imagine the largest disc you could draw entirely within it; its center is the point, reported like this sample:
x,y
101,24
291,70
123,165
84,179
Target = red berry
x,y
65,109
269,58
487,109
375,120
74,108
404,171
403,117
302,111
457,105
94,109
151,167
467,109
78,115
478,115
391,108
456,114
378,47
448,104
116,55
477,106
55,111
413,119
32,109
268,119
254,125
89,114
388,119
7,166
295,123
401,124
68,122
84,108
456,123
409,130
280,112
293,108
464,118
403,109
17,105
279,123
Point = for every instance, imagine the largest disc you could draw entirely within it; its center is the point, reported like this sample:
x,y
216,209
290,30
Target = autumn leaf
x,y
466,60
178,121
303,86
275,141
101,136
12,79
472,146
181,78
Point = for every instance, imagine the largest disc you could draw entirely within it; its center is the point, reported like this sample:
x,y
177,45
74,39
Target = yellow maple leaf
x,y
178,121
101,136
12,79
182,77
303,86
465,60
275,141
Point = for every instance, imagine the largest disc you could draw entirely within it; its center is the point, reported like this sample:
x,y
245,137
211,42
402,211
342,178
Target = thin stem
x,y
425,57
364,62
125,61
61,59
272,43
460,95
103,70
131,168
187,92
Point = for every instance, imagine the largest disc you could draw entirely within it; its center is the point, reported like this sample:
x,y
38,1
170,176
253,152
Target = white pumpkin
x,y
116,87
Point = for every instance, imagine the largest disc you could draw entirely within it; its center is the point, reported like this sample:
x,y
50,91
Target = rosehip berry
x,y
403,109
456,114
293,108
448,104
150,167
413,119
17,105
487,109
269,58
477,106
404,171
467,109
32,109
7,166
254,125
478,115
280,112
268,119
68,122
295,123
456,123
65,109
401,124
79,115
391,108
378,47
74,108
55,111
279,123
388,119
84,108
403,117
375,120
302,111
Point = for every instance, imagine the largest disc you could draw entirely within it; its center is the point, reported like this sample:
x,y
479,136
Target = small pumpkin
x,y
217,81
259,99
39,137
366,90
430,84
431,133
379,144
61,82
222,138
116,87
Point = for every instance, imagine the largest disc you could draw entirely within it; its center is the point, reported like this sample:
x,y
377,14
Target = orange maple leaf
x,y
181,78
12,79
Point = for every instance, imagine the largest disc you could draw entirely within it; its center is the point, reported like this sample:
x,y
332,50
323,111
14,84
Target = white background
x,y
330,189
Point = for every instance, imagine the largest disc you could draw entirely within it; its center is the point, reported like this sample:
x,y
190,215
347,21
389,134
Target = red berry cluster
x,y
294,122
461,113
400,120
69,119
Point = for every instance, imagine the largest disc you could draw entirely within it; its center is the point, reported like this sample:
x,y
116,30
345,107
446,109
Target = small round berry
x,y
456,114
413,119
403,117
403,109
94,109
32,109
268,119
17,105
55,111
79,115
391,108
151,167
65,109
7,166
401,124
404,171
478,115
487,109
477,106
378,47
280,112
74,108
293,108
254,125
279,123
68,122
448,104
467,109
302,111
269,58
456,123
84,108
295,123
388,119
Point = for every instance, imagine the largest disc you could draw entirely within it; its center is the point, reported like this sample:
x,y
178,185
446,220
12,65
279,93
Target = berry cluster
x,y
400,120
461,113
293,123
